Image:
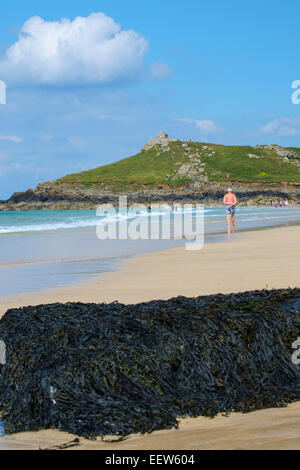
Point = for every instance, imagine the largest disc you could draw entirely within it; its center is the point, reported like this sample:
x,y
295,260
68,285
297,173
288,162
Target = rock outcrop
x,y
48,196
251,155
287,155
162,139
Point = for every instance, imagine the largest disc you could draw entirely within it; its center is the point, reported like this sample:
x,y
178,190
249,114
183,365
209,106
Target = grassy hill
x,y
187,162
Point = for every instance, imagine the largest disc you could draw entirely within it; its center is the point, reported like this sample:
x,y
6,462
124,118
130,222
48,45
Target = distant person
x,y
230,202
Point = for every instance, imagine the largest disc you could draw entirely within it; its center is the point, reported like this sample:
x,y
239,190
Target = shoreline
x,y
64,206
156,274
68,257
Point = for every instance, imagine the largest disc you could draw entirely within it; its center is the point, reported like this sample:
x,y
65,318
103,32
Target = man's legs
x,y
232,221
228,223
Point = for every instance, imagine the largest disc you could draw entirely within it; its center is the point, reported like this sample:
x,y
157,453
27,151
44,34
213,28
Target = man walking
x,y
230,202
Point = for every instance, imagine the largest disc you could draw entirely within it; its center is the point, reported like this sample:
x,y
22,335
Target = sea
x,y
46,249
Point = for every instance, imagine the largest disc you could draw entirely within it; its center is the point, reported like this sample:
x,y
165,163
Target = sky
x,y
87,83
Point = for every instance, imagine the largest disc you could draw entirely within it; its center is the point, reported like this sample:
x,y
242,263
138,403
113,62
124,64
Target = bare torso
x,y
230,199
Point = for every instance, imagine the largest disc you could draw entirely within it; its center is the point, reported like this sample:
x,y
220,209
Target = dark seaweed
x,y
114,369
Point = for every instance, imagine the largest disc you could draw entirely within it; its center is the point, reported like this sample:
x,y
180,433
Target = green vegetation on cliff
x,y
176,164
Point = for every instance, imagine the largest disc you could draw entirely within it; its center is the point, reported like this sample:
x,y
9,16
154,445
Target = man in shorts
x,y
230,202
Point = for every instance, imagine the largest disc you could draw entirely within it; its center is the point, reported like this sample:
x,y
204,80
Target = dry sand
x,y
255,260
275,428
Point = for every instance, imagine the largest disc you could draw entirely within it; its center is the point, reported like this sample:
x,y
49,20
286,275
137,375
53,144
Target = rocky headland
x,y
171,171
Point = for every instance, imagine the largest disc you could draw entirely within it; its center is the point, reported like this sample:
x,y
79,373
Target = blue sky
x,y
83,93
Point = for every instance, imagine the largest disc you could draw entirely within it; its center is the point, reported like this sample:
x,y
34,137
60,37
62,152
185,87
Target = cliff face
x,y
50,196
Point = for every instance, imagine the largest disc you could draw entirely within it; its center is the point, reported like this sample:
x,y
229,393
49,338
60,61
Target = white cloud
x,y
159,71
91,49
205,126
283,126
11,138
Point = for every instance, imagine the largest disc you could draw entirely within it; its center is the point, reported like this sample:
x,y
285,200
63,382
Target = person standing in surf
x,y
230,202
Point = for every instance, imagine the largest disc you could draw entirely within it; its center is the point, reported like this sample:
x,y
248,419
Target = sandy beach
x,y
253,260
149,227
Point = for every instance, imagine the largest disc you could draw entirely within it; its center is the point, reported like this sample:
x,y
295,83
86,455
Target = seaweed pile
x,y
114,369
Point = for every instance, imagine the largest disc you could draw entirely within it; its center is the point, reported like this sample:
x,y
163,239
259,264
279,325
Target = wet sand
x,y
256,260
253,260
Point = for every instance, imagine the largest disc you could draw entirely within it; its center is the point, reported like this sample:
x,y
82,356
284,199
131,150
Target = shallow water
x,y
13,222
47,249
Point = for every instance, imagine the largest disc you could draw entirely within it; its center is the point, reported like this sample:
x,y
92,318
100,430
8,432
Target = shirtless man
x,y
230,201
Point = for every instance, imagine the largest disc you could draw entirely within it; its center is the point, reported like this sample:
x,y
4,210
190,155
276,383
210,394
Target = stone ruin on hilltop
x,y
193,169
161,139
